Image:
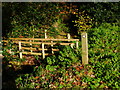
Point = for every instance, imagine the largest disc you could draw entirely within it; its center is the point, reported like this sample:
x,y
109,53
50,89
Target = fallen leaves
x,y
37,77
78,68
84,84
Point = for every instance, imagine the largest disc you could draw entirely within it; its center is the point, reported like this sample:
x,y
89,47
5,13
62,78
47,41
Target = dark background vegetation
x,y
64,69
20,16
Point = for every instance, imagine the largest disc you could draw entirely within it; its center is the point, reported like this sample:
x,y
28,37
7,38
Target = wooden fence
x,y
37,46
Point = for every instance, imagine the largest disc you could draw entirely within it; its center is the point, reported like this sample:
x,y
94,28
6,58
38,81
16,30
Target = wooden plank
x,y
77,44
55,49
43,52
28,42
44,43
30,48
5,41
20,50
51,47
59,43
72,45
84,48
31,44
36,49
42,39
45,34
32,53
68,35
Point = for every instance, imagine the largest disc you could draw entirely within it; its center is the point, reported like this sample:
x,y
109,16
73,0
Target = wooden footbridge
x,y
38,46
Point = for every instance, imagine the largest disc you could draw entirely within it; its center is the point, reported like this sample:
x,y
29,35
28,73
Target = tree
x,y
29,18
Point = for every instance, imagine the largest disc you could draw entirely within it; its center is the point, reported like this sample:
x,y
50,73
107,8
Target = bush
x,y
103,54
63,70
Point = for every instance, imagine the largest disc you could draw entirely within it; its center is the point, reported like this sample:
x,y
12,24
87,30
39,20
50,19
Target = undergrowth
x,y
64,69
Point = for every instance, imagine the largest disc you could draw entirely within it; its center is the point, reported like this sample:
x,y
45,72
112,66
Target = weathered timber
x,y
20,50
44,43
32,53
84,48
45,34
37,49
42,39
43,52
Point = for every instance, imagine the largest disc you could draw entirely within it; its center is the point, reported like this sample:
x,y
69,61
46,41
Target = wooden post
x,y
43,51
71,45
84,48
20,50
45,34
68,35
30,45
76,44
52,47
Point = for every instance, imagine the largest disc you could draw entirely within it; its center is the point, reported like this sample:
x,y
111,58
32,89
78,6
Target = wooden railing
x,y
38,44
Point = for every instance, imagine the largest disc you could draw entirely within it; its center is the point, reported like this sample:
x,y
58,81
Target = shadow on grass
x,y
9,74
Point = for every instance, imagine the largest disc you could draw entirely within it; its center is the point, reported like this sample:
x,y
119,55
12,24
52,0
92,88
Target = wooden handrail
x,y
5,41
44,43
42,39
39,41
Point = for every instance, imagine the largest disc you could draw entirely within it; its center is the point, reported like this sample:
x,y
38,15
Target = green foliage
x,y
31,20
63,69
65,57
103,53
61,26
57,27
26,83
84,22
102,12
28,19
